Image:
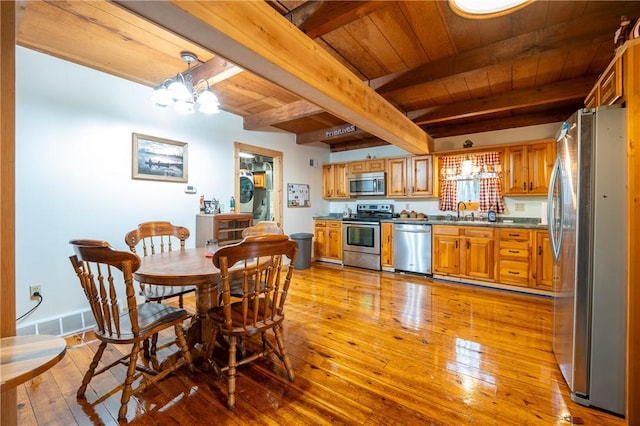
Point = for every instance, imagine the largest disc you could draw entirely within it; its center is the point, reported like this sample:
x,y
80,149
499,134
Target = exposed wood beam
x,y
215,70
542,42
316,18
562,37
557,92
254,36
289,112
322,135
487,125
358,144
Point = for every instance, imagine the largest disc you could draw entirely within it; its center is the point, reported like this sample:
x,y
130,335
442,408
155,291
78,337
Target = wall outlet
x,y
519,207
33,289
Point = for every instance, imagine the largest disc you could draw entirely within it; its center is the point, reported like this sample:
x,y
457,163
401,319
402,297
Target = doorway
x,y
258,182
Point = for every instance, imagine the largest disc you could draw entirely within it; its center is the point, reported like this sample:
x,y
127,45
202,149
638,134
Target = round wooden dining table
x,y
183,268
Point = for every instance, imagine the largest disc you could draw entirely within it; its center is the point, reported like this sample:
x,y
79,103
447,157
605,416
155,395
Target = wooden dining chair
x,y
263,227
265,284
104,273
158,237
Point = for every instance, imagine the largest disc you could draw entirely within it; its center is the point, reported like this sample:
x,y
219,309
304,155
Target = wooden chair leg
x,y
92,368
128,382
183,346
284,355
231,373
180,301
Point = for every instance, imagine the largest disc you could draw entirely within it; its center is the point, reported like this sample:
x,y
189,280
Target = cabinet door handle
x,y
514,273
524,186
514,251
456,243
468,245
539,250
514,235
530,186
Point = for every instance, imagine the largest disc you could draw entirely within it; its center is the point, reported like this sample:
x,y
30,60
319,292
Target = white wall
x,y
73,171
532,204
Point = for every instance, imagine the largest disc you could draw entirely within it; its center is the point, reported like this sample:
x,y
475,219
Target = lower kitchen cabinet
x,y
514,256
328,240
386,246
463,251
543,261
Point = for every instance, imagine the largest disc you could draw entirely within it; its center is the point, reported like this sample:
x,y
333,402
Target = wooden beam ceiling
x,y
257,38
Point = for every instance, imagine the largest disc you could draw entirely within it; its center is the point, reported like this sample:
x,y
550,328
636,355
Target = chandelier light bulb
x,y
184,107
179,91
161,97
208,102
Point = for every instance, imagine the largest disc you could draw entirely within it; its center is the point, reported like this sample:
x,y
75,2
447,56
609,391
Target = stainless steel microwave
x,y
367,184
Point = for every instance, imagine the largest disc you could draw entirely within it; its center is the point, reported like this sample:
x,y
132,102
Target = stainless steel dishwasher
x,y
412,247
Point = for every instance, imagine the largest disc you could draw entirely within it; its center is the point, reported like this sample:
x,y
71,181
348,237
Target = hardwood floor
x,y
368,348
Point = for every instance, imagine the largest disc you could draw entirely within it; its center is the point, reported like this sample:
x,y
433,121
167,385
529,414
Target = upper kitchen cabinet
x,y
410,177
609,89
334,181
367,166
527,168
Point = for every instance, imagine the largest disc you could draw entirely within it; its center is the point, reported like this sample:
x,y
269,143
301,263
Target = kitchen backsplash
x,y
530,207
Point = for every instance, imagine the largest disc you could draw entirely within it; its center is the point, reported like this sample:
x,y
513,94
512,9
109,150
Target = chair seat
x,y
150,317
217,315
159,292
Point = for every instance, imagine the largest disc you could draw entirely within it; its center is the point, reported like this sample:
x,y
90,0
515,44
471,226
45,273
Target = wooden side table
x,y
25,357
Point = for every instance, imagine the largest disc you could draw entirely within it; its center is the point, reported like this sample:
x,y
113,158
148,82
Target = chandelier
x,y
183,94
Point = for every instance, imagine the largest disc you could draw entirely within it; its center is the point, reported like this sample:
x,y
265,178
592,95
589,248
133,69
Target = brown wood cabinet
x,y
528,167
366,166
328,240
410,177
543,261
463,251
259,180
226,228
334,181
514,256
386,246
609,88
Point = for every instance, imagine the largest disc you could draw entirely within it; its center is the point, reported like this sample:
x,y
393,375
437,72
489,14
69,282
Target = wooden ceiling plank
x,y
257,38
292,111
567,36
556,92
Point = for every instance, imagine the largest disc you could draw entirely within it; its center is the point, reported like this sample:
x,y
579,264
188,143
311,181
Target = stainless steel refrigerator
x,y
587,227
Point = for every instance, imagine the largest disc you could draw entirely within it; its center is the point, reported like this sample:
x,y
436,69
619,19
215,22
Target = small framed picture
x,y
156,158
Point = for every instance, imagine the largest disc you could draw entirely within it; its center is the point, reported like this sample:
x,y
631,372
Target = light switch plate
x,y
190,189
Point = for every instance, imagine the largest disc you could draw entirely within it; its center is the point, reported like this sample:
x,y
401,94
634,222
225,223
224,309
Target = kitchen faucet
x,y
465,207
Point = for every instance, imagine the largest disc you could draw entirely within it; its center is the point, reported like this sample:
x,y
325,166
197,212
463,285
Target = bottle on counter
x,y
202,204
232,205
491,214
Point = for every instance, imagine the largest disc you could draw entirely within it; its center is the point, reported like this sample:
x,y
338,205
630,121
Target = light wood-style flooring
x,y
368,348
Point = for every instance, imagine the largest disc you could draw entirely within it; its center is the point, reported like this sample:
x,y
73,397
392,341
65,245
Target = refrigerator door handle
x,y
555,232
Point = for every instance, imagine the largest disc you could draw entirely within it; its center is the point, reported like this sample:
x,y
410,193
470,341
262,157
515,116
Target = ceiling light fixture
x,y
475,9
183,94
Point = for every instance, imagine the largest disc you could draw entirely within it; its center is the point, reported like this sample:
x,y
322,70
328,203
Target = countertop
x,y
516,222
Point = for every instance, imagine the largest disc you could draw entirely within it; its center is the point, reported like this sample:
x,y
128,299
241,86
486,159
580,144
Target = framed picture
x,y
298,195
159,159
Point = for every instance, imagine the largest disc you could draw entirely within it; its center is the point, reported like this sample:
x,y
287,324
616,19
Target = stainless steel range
x,y
361,236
